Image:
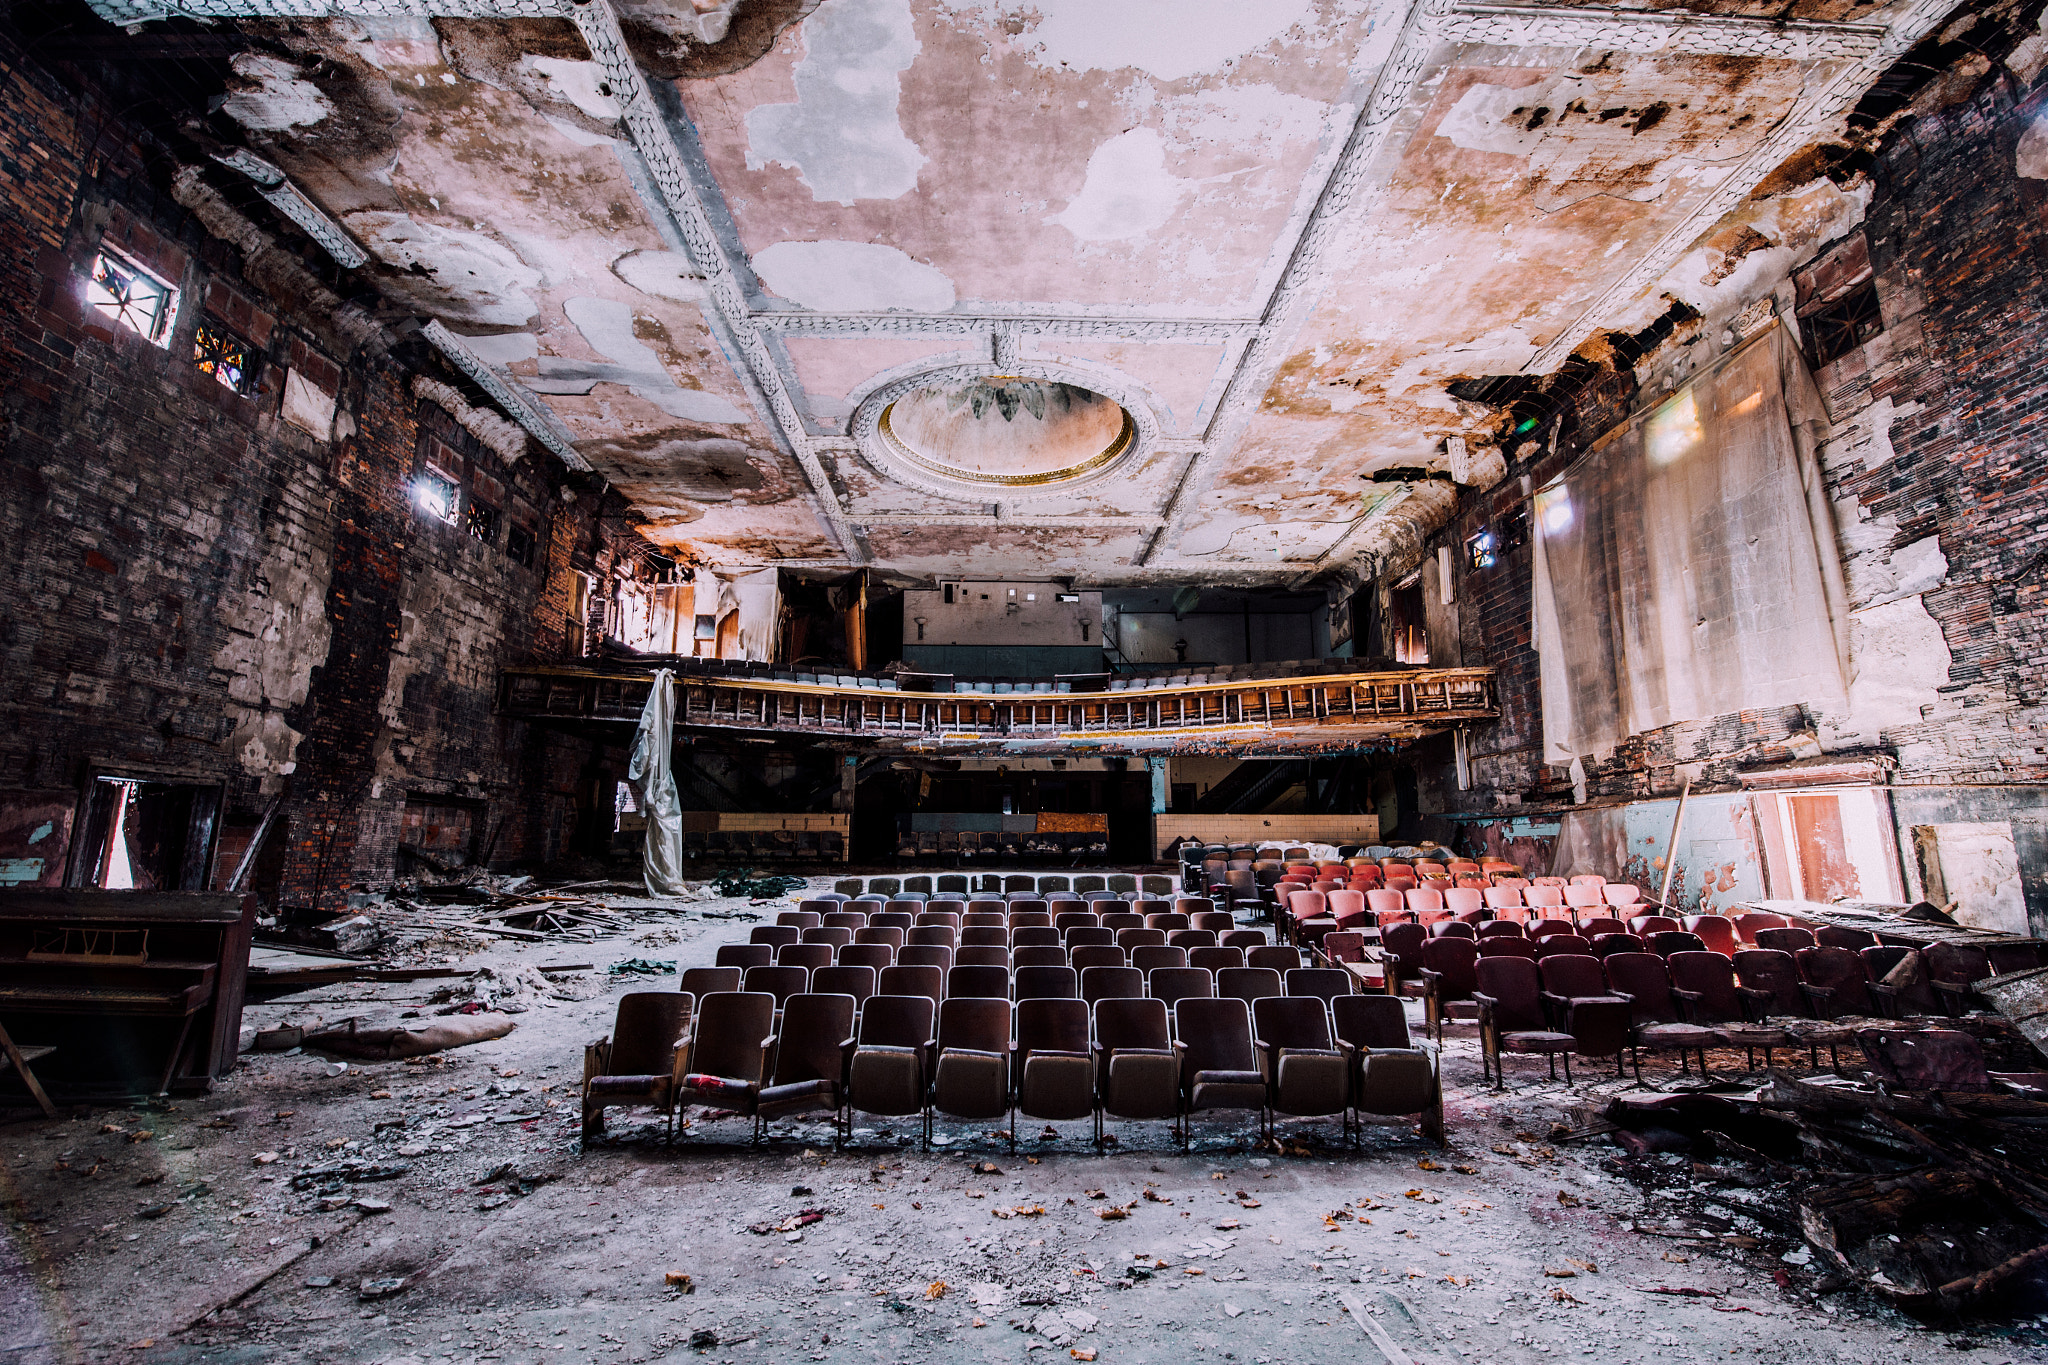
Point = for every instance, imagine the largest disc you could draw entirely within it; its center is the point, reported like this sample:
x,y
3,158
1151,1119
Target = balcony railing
x,y
1313,705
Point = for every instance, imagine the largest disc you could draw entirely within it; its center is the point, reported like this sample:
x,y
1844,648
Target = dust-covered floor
x,y
444,1210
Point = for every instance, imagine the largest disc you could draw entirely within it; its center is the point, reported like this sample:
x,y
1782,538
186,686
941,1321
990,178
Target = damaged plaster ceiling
x,y
737,251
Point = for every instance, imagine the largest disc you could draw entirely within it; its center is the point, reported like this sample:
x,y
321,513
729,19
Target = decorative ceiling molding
x,y
798,323
1809,122
282,195
1658,31
889,520
540,422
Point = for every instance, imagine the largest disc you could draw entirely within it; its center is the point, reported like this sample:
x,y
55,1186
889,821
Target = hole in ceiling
x,y
1007,430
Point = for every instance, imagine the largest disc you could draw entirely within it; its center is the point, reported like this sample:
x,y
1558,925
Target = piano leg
x,y
35,1087
177,1051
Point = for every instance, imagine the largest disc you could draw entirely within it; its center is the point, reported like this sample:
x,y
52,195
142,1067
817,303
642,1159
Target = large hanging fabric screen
x,y
1686,567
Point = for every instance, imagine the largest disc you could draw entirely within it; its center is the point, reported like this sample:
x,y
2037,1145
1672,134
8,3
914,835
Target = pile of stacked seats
x,y
1053,1005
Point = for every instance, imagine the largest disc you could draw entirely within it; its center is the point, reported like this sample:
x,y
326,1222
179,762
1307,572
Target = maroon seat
x,y
1618,943
1774,978
1577,999
1543,928
1754,922
1647,925
1670,941
1502,928
1402,946
1453,928
1510,997
1503,946
1448,974
1601,924
1835,980
1899,980
1952,968
1784,939
1562,943
1717,932
1709,994
1656,1023
1834,936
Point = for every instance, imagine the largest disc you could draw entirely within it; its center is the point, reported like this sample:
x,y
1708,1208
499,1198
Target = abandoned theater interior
x,y
930,680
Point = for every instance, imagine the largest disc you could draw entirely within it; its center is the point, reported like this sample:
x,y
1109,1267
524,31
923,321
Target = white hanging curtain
x,y
1686,568
760,604
654,789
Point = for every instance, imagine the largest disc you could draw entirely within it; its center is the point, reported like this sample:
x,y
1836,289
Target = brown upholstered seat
x,y
642,1061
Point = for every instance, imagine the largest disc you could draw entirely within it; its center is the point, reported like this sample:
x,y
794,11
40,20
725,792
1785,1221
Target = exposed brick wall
x,y
192,585
1957,244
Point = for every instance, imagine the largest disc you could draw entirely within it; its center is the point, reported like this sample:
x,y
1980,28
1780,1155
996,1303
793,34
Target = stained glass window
x,y
221,354
483,521
130,296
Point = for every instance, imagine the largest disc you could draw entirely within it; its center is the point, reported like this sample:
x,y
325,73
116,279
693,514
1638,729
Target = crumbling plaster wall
x,y
195,585
1937,429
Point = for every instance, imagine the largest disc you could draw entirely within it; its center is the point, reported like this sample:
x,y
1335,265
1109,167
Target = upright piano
x,y
135,990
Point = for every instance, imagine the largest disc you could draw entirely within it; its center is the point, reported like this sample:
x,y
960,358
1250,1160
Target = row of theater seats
x,y
999,1013
1670,991
773,845
1305,914
987,844
958,885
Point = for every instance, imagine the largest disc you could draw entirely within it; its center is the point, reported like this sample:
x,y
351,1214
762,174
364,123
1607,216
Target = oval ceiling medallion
x,y
1007,430
972,431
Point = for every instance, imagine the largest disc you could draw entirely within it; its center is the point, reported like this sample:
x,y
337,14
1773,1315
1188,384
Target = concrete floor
x,y
161,1235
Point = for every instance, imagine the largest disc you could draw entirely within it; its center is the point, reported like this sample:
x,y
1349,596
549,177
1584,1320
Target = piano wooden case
x,y
137,990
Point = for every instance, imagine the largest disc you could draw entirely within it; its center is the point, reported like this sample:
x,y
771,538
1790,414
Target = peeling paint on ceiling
x,y
842,135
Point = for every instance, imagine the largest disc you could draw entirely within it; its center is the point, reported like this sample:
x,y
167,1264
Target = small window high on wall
x,y
148,836
127,294
1829,844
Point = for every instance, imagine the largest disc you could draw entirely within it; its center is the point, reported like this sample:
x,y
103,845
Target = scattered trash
x,y
319,1282
743,883
643,966
390,1044
935,1291
381,1288
680,1282
795,1221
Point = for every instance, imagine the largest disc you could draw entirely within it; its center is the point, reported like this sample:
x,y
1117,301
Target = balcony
x,y
1246,710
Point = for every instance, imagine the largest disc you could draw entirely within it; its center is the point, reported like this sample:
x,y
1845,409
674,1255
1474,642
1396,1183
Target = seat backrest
x,y
1190,939
1216,959
1597,925
847,919
775,935
1050,1024
1647,925
893,937
744,955
1453,928
984,982
926,955
940,905
1277,957
1544,928
1375,1021
1215,921
1773,970
1097,955
1291,1021
1748,925
1132,939
1383,901
703,981
807,955
1248,983
1047,983
1404,942
1130,1022
897,1021
1324,983
1031,905
1593,879
1246,939
845,979
1035,936
1834,936
1464,901
1543,897
982,955
929,982
1174,983
1572,975
838,935
988,905
1840,970
1784,938
729,1030
1956,964
946,919
780,982
1089,935
1111,983
1076,919
1675,941
1307,904
1712,976
1581,897
1216,1035
1619,943
975,1023
809,1046
1039,955
1028,919
645,1029
1502,897
1168,920
1502,928
1425,898
1645,977
1515,988
889,920
984,936
1502,945
812,906
1149,957
1119,920
1621,894
934,936
1716,931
